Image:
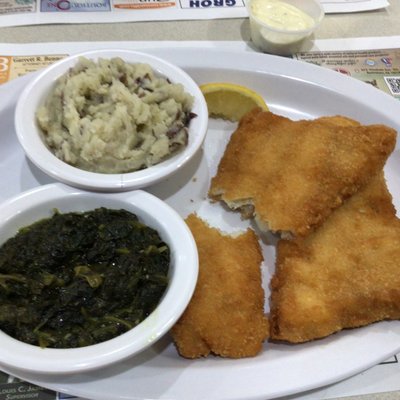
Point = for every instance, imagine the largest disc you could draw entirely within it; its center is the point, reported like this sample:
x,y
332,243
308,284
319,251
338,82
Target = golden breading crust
x,y
295,173
344,275
226,313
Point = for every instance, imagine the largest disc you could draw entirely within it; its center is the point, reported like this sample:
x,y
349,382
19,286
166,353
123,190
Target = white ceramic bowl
x,y
286,40
29,133
38,203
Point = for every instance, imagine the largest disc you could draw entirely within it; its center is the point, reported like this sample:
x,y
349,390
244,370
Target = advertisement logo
x,y
142,4
74,5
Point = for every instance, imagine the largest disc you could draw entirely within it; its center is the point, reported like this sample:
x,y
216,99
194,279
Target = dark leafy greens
x,y
77,279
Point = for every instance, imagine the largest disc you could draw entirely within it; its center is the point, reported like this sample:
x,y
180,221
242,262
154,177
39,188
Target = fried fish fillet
x,y
290,175
226,313
346,274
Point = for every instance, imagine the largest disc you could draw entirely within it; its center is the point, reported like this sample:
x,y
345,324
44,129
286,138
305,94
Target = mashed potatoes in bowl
x,y
111,116
111,120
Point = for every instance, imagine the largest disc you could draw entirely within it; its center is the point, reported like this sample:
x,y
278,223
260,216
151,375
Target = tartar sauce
x,y
281,15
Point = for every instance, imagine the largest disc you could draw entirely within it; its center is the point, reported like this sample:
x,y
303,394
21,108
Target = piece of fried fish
x,y
290,175
345,274
226,313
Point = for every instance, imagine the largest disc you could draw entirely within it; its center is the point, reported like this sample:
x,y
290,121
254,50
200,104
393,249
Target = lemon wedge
x,y
230,101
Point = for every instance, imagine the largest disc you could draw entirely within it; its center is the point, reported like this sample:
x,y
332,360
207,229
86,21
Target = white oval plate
x,y
292,88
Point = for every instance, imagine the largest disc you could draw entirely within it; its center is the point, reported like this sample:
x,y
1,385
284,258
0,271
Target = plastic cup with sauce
x,y
280,26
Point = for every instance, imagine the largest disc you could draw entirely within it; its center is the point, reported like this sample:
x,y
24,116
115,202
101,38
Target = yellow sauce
x,y
280,15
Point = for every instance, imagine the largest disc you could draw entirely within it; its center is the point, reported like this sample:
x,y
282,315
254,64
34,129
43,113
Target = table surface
x,y
384,22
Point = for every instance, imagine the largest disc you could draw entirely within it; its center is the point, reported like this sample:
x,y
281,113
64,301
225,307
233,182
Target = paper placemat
x,y
35,12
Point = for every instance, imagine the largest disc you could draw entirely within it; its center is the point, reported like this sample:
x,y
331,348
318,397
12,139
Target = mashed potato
x,y
114,117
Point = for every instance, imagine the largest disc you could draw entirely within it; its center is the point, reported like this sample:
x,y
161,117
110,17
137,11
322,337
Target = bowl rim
x,y
36,150
173,229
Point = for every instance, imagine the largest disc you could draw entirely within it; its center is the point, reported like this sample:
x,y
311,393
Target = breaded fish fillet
x,y
226,313
345,274
292,174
